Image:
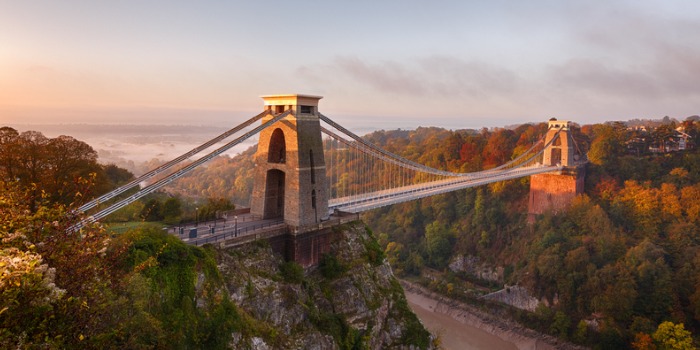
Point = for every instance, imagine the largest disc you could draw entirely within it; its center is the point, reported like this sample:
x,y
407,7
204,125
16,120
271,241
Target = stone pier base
x,y
553,192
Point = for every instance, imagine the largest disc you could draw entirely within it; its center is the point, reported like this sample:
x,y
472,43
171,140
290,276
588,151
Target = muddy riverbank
x,y
462,326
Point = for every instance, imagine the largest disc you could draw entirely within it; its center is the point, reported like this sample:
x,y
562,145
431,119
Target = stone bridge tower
x,y
290,173
562,149
554,191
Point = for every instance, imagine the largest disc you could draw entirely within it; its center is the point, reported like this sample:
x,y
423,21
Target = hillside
x,y
147,289
351,301
620,267
605,267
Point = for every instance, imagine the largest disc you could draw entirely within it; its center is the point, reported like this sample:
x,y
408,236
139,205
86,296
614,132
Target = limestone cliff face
x,y
351,301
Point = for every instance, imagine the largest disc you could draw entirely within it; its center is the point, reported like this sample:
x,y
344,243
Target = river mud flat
x,y
461,326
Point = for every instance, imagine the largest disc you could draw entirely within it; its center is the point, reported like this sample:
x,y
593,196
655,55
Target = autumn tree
x,y
55,282
53,165
499,148
670,336
607,144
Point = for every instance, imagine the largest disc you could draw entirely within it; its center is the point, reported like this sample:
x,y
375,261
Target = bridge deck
x,y
247,228
368,201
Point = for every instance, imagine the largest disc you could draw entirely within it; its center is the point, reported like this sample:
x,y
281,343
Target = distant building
x,y
679,141
684,140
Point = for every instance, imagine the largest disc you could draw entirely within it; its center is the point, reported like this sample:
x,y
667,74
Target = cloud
x,y
627,51
426,76
452,76
598,78
385,76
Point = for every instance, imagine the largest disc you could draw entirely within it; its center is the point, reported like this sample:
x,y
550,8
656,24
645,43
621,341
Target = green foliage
x,y
330,267
560,325
213,206
628,251
152,211
117,176
439,242
335,325
607,144
162,293
55,284
292,272
581,332
374,252
172,210
415,333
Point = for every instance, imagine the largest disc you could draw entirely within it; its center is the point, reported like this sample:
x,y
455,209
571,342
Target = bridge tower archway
x,y
274,194
290,172
278,147
561,151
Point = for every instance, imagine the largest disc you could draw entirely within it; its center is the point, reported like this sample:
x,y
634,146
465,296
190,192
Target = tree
x,y
670,336
617,292
56,283
470,154
152,210
641,205
31,148
54,165
171,210
213,206
607,144
117,176
8,153
661,135
643,341
499,148
439,244
653,279
561,324
67,159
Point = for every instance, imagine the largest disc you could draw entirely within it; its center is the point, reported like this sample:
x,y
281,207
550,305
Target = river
x,y
460,329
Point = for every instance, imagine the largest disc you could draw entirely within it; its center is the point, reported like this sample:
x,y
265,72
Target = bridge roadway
x,y
221,230
248,228
373,200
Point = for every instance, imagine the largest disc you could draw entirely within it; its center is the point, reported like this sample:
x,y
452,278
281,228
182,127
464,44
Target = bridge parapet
x,y
344,218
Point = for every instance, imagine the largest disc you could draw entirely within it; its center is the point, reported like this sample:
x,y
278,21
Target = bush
x,y
375,254
330,266
292,272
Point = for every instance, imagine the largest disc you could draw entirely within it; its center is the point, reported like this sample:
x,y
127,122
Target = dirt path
x,y
461,326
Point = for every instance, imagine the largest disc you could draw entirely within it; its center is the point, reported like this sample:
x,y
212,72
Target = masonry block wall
x,y
554,191
307,249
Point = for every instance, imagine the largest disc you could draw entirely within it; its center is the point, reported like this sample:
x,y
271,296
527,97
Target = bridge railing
x,y
231,232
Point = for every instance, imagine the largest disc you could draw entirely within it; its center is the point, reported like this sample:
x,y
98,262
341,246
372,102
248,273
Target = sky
x,y
378,64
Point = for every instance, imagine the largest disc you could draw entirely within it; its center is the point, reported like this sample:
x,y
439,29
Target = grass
x,y
122,227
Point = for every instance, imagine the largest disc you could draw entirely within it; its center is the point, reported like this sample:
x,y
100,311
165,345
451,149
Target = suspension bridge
x,y
310,169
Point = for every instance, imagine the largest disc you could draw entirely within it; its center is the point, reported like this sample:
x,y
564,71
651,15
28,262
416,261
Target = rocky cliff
x,y
351,301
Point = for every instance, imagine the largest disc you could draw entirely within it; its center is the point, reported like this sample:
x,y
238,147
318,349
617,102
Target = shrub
x,y
292,272
330,266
